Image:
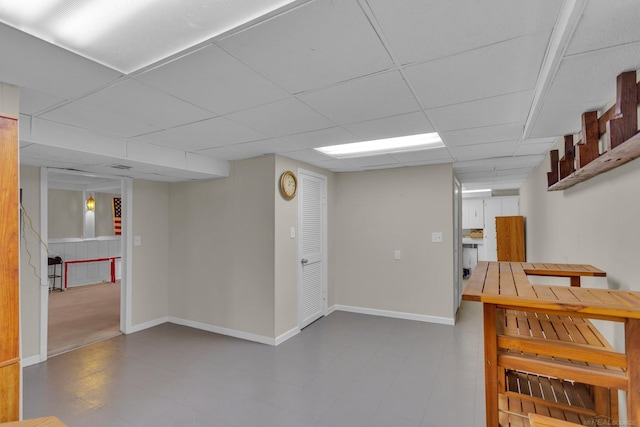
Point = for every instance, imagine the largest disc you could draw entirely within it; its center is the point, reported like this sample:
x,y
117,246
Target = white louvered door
x,y
311,247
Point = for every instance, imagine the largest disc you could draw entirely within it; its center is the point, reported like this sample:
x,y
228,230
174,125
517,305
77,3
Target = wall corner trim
x,y
146,325
396,314
287,335
224,331
32,360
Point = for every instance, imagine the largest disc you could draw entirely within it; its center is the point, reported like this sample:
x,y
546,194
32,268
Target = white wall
x,y
65,213
379,211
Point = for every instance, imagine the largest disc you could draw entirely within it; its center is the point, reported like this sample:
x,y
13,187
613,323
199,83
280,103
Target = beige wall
x,y
595,222
379,211
222,249
151,260
30,264
65,213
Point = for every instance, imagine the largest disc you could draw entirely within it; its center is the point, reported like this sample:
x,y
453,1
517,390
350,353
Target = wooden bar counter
x,y
539,331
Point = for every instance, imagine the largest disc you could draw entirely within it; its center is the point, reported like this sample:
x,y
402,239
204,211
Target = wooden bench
x,y
543,333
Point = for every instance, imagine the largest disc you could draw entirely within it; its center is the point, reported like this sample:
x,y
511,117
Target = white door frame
x,y
125,244
457,250
325,269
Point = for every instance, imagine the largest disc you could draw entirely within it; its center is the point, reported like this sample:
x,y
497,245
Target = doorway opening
x,y
83,218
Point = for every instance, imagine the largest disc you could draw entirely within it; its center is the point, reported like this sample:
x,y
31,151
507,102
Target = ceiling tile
x,y
33,101
497,110
369,98
389,127
204,134
309,156
235,152
481,135
483,151
214,80
569,96
286,117
318,138
384,160
36,64
86,117
312,46
594,31
421,30
436,154
498,69
145,104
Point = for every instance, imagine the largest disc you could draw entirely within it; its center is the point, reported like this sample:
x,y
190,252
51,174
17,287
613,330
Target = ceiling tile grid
x,y
208,133
322,72
313,46
369,98
214,80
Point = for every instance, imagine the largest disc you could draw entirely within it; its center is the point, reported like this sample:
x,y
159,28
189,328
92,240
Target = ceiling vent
x,y
122,167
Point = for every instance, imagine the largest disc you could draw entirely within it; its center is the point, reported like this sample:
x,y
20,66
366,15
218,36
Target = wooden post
x,y
625,122
554,175
567,164
9,295
632,348
491,364
587,149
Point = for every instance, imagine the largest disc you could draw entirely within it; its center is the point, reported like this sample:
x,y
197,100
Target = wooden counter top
x,y
506,283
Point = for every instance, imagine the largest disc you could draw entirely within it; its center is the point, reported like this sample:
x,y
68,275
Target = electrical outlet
x,y
396,254
436,237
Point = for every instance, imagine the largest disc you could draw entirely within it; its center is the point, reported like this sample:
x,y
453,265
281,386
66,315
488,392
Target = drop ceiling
x,y
500,80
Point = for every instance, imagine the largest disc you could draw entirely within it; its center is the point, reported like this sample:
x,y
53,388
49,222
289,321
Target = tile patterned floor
x,y
344,370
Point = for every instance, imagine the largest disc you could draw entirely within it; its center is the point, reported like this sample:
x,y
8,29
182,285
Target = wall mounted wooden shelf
x,y
623,153
619,124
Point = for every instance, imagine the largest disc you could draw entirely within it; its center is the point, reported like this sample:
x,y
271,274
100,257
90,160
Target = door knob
x,y
304,261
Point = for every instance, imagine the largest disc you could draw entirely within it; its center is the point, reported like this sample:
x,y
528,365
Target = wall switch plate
x,y
293,232
137,241
436,237
396,254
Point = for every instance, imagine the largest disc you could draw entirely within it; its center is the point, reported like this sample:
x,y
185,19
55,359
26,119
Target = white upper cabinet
x,y
472,213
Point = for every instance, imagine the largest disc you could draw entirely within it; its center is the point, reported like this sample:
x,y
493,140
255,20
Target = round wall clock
x,y
288,185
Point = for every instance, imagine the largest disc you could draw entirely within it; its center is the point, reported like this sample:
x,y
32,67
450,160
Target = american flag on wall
x,y
116,208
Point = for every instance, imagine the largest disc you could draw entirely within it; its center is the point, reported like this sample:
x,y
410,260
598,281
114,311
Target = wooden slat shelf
x,y
545,331
514,412
623,153
553,392
619,127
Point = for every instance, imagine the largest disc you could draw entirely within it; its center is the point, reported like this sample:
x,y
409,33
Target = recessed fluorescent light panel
x,y
400,144
127,35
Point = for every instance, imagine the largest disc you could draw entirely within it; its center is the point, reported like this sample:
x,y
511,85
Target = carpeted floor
x,y
83,315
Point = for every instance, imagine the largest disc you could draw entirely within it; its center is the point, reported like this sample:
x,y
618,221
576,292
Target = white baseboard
x,y
331,309
396,314
28,361
289,334
224,331
146,325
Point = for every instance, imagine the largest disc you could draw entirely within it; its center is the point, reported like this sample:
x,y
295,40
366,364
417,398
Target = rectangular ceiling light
x,y
401,144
